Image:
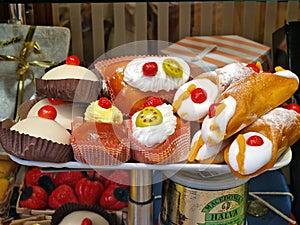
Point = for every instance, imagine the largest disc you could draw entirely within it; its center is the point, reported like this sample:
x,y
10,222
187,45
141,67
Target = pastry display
x,y
66,111
158,136
38,138
192,99
101,137
257,147
69,82
133,78
244,102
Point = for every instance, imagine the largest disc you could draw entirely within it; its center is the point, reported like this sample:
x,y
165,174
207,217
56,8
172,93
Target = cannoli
x,y
192,99
257,147
244,102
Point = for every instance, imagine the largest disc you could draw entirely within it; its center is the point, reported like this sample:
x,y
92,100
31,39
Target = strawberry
x,y
62,195
114,198
89,190
70,178
120,177
34,197
33,175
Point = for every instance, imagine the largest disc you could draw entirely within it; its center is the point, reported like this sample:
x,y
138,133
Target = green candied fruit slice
x,y
172,68
149,116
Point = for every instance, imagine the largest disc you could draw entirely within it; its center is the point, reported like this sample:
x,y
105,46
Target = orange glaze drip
x,y
240,158
176,104
195,149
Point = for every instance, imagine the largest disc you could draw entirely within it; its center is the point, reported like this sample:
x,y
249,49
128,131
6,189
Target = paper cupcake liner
x,y
175,149
26,106
70,90
34,149
126,99
68,208
99,154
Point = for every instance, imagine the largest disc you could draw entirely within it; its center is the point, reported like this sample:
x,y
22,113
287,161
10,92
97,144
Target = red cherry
x,y
150,68
104,103
55,101
255,140
47,112
212,110
153,101
73,60
198,95
253,67
86,221
293,106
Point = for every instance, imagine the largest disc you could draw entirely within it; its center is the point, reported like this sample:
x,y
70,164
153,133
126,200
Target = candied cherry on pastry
x,y
73,60
172,68
150,68
213,111
104,102
47,112
293,106
253,67
255,140
153,101
198,95
55,101
149,116
86,221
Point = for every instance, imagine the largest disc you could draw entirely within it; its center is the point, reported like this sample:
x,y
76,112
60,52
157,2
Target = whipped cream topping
x,y
255,156
191,111
65,111
133,75
76,217
214,128
96,113
43,128
287,74
154,135
70,72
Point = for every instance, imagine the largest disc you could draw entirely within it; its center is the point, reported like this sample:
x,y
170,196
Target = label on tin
x,y
187,206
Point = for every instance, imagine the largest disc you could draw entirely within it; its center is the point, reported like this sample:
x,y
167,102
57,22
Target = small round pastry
x,y
102,139
38,138
158,136
78,214
132,78
66,111
69,82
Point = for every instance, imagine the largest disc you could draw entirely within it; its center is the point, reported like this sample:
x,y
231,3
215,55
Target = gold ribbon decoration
x,y
23,69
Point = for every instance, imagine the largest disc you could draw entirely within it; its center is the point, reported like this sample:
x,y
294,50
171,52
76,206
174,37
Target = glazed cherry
x,y
73,60
253,67
153,101
47,112
293,106
86,221
255,140
212,110
104,103
55,101
198,95
150,69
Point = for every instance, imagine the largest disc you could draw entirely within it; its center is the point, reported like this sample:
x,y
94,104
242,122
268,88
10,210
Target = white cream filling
x,y
43,128
288,74
255,156
221,120
76,217
190,110
133,75
70,72
154,135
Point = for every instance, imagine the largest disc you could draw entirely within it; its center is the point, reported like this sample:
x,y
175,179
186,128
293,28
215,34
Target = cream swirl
x,y
214,128
191,111
154,135
255,156
96,113
133,75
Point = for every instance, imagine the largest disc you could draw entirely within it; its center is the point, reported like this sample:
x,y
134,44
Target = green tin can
x,y
189,198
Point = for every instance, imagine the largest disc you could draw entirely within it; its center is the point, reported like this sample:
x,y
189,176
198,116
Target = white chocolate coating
x,y
76,217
